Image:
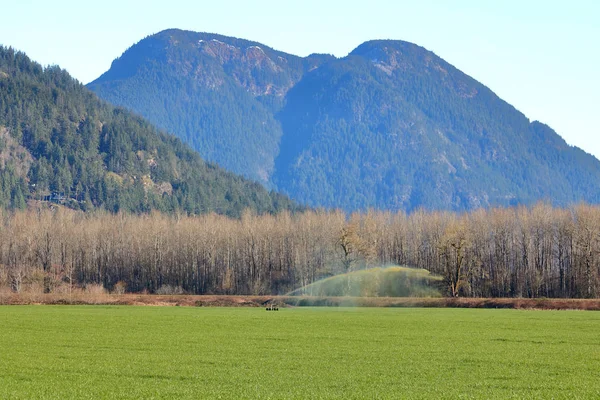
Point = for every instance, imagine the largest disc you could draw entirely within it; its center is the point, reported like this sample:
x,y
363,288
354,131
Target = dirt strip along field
x,y
298,301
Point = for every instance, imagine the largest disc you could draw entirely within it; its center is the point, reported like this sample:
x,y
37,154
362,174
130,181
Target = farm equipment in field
x,y
271,305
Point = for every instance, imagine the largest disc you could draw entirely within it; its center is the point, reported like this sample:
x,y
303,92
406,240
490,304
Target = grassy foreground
x,y
58,352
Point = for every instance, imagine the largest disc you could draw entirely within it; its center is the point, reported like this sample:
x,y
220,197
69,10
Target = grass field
x,y
59,352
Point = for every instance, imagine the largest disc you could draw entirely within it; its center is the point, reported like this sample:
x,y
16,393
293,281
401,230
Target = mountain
x,y
59,142
390,126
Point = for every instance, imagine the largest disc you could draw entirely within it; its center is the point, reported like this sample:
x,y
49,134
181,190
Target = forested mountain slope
x,y
218,94
59,141
390,126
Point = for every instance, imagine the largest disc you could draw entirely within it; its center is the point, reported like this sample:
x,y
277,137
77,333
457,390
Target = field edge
x,y
295,301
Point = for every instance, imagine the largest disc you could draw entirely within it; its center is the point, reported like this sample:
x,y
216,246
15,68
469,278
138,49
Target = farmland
x,y
191,352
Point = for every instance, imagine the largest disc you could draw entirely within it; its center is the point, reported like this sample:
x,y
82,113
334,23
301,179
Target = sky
x,y
540,56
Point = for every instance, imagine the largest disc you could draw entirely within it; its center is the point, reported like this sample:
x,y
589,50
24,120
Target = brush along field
x,y
58,352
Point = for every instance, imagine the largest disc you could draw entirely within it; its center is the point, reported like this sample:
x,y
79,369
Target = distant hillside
x,y
59,142
390,126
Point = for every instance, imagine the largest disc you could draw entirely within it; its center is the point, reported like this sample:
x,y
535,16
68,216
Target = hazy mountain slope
x,y
57,136
390,126
394,126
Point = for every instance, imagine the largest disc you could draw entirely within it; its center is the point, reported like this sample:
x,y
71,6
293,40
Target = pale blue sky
x,y
542,56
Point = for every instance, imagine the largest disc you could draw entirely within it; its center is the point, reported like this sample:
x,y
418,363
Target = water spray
x,y
394,281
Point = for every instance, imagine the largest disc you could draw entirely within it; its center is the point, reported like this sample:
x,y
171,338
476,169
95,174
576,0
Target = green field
x,y
59,352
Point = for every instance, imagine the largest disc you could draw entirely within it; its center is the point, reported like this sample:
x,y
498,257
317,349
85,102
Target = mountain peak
x,y
386,43
392,55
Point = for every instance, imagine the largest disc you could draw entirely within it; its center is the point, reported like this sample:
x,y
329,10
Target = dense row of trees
x,y
516,252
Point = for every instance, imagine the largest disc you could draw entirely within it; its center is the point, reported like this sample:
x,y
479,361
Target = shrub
x,y
95,289
169,290
119,288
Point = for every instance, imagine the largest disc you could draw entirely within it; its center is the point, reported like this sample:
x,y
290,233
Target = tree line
x,y
537,251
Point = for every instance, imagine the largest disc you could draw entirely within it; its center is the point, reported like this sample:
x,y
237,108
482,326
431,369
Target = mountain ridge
x,y
391,125
207,68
